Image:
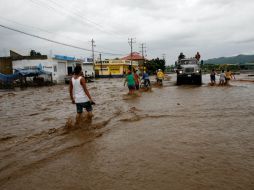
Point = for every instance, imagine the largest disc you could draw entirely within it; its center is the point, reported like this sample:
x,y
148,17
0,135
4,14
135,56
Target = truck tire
x,y
178,81
199,80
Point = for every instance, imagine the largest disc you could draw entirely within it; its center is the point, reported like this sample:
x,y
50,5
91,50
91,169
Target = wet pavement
x,y
174,137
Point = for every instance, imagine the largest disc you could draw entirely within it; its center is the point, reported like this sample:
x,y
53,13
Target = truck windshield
x,y
188,62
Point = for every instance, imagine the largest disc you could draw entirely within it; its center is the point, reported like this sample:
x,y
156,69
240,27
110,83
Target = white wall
x,y
47,65
89,68
61,71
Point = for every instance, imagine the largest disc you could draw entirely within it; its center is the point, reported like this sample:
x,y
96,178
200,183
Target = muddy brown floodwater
x,y
175,137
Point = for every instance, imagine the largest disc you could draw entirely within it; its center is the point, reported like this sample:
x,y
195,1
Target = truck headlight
x,y
197,71
180,72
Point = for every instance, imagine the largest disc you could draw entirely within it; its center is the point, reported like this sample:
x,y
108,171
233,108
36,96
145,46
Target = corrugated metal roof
x,y
135,56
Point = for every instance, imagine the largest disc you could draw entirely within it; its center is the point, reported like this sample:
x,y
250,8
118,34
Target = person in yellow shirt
x,y
160,76
228,76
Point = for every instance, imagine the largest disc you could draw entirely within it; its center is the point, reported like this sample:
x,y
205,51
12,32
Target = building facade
x,y
6,65
60,66
135,56
113,67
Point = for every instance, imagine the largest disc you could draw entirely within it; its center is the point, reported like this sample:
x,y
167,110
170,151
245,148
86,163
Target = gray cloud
x,y
244,41
213,27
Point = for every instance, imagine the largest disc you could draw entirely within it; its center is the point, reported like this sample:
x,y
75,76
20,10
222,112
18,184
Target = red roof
x,y
135,56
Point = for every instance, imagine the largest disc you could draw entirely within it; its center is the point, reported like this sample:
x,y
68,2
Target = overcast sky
x,y
215,28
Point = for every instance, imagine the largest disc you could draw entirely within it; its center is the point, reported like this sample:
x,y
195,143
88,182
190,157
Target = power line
x,y
74,12
77,11
78,17
39,29
61,10
109,49
52,33
56,42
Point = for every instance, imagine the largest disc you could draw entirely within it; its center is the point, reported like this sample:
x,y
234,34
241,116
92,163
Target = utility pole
x,y
93,45
143,56
131,41
101,63
164,56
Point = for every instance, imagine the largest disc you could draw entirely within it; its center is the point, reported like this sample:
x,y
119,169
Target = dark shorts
x,y
131,87
86,105
212,77
137,86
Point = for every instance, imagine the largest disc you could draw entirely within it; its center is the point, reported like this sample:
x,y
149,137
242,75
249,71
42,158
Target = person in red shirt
x,y
137,81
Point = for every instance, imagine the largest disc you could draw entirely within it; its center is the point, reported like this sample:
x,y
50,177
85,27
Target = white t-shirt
x,y
78,91
222,76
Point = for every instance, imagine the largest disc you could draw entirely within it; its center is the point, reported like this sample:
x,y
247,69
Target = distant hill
x,y
239,59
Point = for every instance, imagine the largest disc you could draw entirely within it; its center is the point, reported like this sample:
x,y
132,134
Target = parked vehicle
x,y
188,71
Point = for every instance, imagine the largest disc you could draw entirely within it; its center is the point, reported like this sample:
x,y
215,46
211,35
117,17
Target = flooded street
x,y
175,137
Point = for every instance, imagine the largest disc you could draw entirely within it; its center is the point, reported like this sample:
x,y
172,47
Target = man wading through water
x,y
80,95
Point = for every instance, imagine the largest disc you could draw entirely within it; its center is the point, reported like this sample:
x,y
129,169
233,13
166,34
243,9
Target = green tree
x,y
155,64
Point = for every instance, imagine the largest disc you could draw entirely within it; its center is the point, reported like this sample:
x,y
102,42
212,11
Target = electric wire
x,y
77,13
56,42
78,17
40,29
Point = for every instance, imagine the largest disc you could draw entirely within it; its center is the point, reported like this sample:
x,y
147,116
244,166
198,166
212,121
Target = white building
x,y
86,64
59,66
88,67
58,69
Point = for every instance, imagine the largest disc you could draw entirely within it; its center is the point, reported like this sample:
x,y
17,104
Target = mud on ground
x,y
174,137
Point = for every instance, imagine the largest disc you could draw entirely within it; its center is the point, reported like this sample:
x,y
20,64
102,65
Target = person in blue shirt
x,y
146,79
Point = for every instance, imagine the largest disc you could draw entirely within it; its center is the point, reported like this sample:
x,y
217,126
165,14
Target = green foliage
x,y
219,67
240,59
155,64
169,68
231,63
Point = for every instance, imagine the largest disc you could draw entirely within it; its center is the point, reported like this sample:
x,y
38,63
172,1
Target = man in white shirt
x,y
222,78
79,93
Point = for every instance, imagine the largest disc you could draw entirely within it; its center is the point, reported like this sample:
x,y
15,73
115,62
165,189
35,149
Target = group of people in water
x,y
81,97
224,77
134,81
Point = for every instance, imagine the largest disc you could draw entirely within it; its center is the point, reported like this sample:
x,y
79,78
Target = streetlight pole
x,y
101,64
93,45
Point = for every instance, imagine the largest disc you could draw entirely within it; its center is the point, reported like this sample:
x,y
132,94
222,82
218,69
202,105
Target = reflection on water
x,y
178,137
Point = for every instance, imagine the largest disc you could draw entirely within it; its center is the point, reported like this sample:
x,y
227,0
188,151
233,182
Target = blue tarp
x,y
9,78
23,73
